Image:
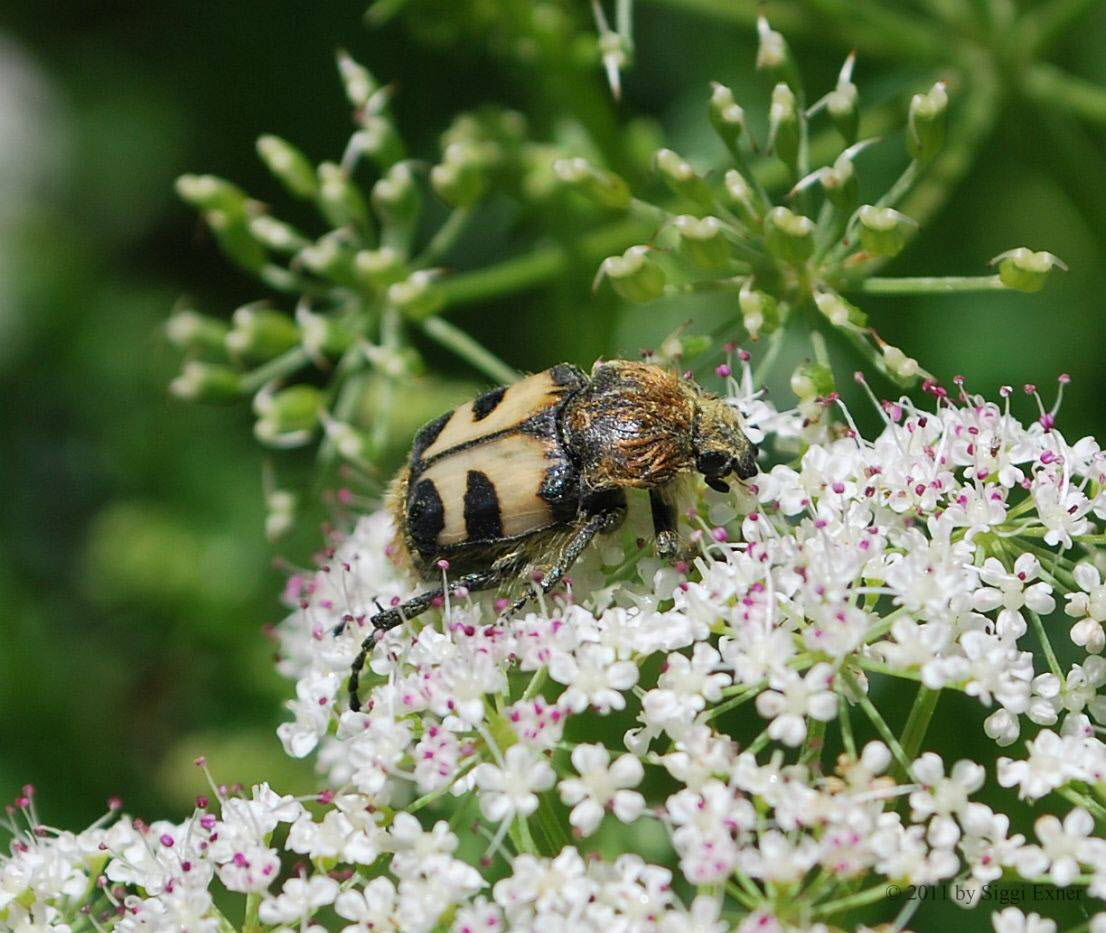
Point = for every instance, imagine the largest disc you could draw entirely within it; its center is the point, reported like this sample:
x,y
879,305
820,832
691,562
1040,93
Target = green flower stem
x,y
878,667
813,745
539,266
1049,20
455,339
1052,87
445,238
860,899
1042,636
426,799
918,721
524,842
741,896
1082,800
251,922
844,720
932,285
745,696
879,722
536,683
551,826
283,365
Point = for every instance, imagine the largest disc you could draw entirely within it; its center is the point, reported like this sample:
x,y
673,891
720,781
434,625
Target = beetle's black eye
x,y
717,485
712,463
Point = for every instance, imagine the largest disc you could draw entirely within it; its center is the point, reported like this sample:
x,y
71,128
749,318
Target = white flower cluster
x,y
933,558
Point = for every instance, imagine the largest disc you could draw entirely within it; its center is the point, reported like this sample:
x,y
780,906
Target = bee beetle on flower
x,y
526,475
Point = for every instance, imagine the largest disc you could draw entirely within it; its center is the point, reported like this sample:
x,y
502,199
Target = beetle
x,y
526,475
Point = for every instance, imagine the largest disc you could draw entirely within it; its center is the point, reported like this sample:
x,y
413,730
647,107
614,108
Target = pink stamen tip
x,y
200,762
858,377
1005,391
724,371
202,802
115,803
1064,379
744,356
720,534
443,564
167,841
1030,389
729,347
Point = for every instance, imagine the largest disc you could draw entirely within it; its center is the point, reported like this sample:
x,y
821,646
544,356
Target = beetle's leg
x,y
607,520
389,618
664,523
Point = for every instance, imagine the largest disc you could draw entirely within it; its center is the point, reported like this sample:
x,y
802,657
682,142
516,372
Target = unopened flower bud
x,y
783,125
812,380
597,184
883,230
702,241
461,178
417,295
379,140
260,334
350,443
841,103
1025,270
206,382
742,198
190,330
237,240
925,131
323,336
759,311
726,115
773,54
280,513
395,197
838,311
287,417
789,236
329,257
212,193
276,235
900,365
840,184
379,268
359,83
339,198
682,178
634,275
290,166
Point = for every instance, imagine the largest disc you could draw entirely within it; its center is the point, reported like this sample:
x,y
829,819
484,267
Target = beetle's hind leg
x,y
388,619
607,518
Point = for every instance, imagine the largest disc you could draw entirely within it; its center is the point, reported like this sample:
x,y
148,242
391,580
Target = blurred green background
x,y
135,578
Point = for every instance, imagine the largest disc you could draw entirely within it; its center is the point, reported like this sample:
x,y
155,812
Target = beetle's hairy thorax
x,y
631,426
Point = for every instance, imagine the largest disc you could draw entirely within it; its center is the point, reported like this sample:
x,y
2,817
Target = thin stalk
x,y
925,703
860,899
1050,20
932,285
844,719
1082,800
251,922
455,339
1042,637
879,722
1050,86
445,238
284,365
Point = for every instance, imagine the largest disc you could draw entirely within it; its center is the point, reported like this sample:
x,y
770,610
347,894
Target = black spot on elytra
x,y
483,520
428,433
486,404
425,516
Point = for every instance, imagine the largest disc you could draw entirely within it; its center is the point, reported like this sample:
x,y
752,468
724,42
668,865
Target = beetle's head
x,y
721,447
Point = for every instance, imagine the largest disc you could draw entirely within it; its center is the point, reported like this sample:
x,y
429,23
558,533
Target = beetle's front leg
x,y
664,523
